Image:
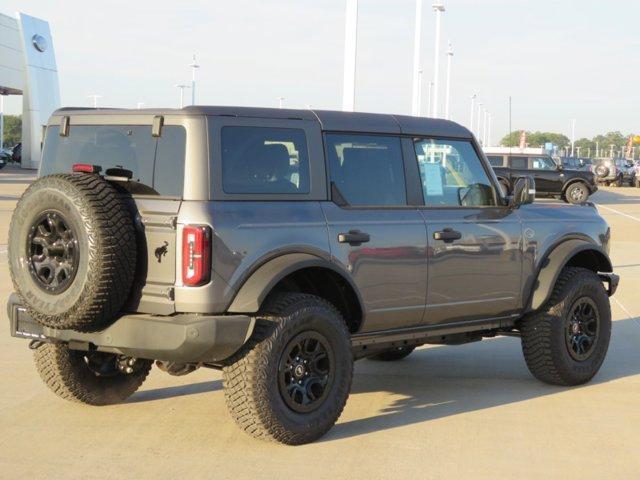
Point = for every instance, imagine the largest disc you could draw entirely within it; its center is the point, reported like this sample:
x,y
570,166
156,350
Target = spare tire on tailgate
x,y
72,251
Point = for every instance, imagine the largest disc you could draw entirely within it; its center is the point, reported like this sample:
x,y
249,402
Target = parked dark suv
x,y
552,180
280,245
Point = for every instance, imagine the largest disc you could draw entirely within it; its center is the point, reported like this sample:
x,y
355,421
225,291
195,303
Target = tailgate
x,y
153,289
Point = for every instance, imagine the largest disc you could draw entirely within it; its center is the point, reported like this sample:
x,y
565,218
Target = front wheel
x,y
94,378
291,381
566,341
577,193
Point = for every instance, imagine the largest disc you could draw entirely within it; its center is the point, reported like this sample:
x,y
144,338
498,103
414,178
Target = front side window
x,y
368,170
543,163
452,174
264,160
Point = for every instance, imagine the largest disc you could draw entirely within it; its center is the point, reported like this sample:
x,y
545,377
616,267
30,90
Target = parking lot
x,y
470,411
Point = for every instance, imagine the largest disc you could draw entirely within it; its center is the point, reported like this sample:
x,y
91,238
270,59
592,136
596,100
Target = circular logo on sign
x,y
39,42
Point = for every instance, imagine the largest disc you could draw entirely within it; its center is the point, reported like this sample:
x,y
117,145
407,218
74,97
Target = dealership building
x,y
28,68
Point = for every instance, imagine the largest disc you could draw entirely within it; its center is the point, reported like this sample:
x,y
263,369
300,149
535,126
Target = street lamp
x,y
417,39
473,106
194,66
438,7
95,99
181,86
447,99
350,52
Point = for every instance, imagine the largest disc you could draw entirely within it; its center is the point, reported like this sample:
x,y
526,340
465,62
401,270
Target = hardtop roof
x,y
329,120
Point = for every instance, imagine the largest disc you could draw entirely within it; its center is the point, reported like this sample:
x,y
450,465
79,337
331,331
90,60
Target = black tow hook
x,y
34,344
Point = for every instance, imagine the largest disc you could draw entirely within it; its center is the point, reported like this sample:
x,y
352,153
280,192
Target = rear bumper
x,y
184,338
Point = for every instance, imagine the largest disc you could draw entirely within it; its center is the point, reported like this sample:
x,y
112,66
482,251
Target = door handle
x,y
447,235
353,237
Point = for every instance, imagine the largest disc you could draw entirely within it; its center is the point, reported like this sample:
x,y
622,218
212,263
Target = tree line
x,y
587,146
12,130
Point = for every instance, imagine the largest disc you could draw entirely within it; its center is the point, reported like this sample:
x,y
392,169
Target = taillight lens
x,y
196,255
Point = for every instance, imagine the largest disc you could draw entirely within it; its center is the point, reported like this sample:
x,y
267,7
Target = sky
x,y
558,60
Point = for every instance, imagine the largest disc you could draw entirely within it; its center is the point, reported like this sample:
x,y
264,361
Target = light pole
x,y
350,55
95,99
573,135
417,39
473,107
484,127
194,66
420,93
181,86
429,99
447,98
478,120
489,131
280,102
438,7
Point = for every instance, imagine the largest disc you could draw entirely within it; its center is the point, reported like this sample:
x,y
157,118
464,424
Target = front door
x,y
374,234
545,172
474,254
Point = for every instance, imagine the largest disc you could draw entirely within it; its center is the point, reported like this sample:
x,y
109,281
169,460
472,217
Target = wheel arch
x,y
570,253
304,273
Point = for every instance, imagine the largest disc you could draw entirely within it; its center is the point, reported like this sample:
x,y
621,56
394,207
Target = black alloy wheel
x,y
582,328
306,371
52,252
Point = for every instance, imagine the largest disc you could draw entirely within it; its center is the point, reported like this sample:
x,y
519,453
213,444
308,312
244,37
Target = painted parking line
x,y
618,212
626,311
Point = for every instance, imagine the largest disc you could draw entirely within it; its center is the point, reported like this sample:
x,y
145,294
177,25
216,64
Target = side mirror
x,y
524,192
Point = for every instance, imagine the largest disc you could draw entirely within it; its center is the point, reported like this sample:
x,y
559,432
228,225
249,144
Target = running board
x,y
423,332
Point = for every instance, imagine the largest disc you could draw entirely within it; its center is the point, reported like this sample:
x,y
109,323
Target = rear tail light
x,y
86,168
196,255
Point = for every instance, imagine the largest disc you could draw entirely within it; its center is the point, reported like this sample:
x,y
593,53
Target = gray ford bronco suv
x,y
281,245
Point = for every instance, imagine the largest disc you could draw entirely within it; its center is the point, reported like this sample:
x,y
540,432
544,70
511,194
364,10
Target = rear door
x,y
373,231
474,248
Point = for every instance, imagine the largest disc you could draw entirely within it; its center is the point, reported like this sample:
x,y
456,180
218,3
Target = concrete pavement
x,y
471,411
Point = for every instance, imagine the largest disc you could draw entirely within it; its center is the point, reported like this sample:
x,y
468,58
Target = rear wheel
x,y
566,341
291,381
577,193
94,378
392,355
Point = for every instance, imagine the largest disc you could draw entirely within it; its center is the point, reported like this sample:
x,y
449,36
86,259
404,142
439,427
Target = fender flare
x,y
555,261
255,289
571,181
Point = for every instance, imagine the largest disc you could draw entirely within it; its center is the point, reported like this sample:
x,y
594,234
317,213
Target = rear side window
x,y
368,170
495,161
519,163
155,162
264,160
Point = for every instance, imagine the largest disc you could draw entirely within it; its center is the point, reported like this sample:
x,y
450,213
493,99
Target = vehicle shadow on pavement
x,y
176,391
438,382
626,196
